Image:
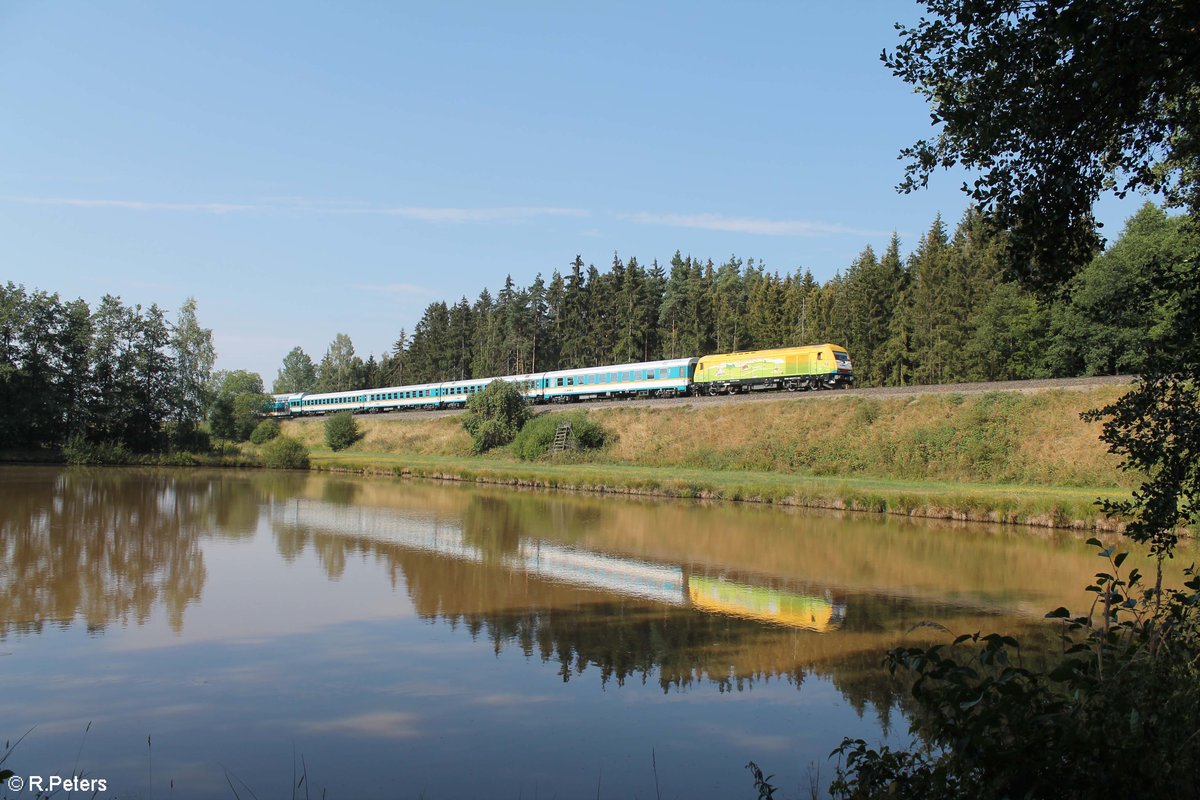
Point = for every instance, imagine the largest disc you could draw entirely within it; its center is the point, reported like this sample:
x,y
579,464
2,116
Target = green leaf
x,y
969,704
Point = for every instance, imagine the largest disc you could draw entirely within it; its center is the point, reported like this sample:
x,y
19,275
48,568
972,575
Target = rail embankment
x,y
1011,457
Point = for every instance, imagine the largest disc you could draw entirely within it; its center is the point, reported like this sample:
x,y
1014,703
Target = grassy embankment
x,y
1019,458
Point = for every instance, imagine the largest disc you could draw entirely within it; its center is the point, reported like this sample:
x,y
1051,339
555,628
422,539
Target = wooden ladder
x,y
562,438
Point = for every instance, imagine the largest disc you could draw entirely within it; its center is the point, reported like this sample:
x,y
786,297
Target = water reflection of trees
x,y
107,545
618,639
893,577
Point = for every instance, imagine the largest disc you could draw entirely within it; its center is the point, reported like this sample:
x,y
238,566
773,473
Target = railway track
x,y
1025,387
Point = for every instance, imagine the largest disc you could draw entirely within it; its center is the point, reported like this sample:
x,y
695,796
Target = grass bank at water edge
x,y
1009,457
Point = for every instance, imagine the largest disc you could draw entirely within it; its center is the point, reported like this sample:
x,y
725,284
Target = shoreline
x,y
1071,508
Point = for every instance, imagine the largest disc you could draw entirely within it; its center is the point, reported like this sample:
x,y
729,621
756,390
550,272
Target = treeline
x,y
115,378
944,313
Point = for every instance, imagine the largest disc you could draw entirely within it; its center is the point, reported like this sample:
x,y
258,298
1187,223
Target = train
x,y
809,367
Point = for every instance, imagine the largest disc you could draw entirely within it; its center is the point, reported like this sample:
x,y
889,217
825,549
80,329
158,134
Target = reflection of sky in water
x,y
303,639
378,702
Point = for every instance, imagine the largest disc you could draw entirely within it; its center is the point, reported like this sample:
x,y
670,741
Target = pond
x,y
215,634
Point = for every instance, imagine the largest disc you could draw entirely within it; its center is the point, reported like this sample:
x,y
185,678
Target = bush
x,y
79,451
284,452
536,436
341,431
265,431
495,415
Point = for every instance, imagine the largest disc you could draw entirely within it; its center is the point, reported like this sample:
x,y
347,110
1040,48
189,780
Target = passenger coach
x,y
794,368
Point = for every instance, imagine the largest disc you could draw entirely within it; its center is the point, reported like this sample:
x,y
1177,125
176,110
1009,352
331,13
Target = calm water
x,y
404,639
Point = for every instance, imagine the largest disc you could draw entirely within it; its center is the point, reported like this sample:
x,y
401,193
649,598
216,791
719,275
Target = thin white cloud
x,y
435,214
500,214
750,225
134,205
400,289
755,226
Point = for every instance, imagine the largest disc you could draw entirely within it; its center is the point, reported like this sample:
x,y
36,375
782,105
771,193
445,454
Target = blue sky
x,y
305,169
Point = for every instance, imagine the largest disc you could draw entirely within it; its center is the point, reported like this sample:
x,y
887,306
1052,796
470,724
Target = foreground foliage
x,y
1054,102
1116,716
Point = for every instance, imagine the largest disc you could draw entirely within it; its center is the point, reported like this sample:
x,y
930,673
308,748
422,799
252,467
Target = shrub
x,y
341,431
495,415
265,431
536,436
284,452
79,450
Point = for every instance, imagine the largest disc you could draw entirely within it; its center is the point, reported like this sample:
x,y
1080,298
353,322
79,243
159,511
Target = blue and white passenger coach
x,y
669,378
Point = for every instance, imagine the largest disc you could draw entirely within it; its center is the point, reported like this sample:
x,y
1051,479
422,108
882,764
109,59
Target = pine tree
x,y
573,327
487,342
556,293
728,305
538,319
337,371
672,311
932,300
654,285
634,316
396,364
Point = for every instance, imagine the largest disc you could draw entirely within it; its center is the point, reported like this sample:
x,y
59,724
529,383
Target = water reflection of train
x,y
679,586
809,609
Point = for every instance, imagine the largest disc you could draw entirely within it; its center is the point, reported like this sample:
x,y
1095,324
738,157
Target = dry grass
x,y
391,434
1035,439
